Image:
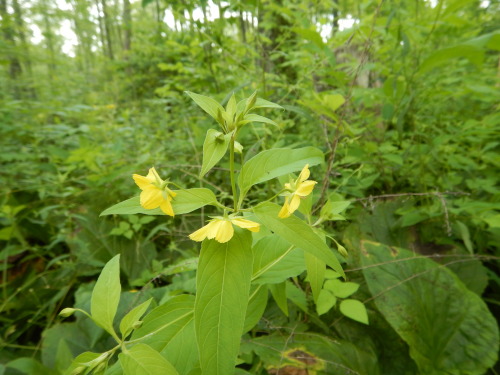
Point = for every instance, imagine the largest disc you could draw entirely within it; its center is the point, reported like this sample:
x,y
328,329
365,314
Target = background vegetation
x,y
402,96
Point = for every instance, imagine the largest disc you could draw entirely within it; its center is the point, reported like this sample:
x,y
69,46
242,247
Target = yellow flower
x,y
155,192
298,189
222,230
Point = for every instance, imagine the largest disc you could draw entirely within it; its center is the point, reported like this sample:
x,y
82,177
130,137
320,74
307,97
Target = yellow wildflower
x,y
155,192
221,228
296,190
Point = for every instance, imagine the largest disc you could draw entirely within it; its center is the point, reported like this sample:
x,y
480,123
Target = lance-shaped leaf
x,y
315,273
222,290
448,328
296,232
141,359
106,295
184,202
162,324
275,260
128,322
214,148
256,306
209,105
274,163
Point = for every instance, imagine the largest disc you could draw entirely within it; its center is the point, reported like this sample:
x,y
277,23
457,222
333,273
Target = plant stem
x,y
231,171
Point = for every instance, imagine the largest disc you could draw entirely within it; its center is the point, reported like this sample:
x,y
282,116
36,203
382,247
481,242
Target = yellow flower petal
x,y
294,203
225,231
151,198
200,234
153,176
141,181
305,188
246,224
213,228
304,174
166,207
285,210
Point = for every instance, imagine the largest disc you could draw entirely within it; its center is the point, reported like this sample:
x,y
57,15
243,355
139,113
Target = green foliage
x,y
396,115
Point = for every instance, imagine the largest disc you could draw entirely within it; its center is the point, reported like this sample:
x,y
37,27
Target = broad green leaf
x,y
275,260
323,355
312,35
163,323
474,54
184,202
256,306
341,289
214,148
333,102
222,291
354,309
209,105
325,302
132,317
296,232
315,273
106,295
274,163
278,292
141,359
28,366
448,328
182,351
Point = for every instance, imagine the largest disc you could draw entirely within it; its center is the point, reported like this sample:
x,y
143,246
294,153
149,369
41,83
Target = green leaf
x,y
256,306
296,232
278,292
262,103
182,351
128,321
86,360
315,273
163,323
209,105
275,260
465,234
274,163
474,54
184,202
28,366
141,359
106,295
256,118
341,289
214,148
222,291
333,102
448,328
355,310
325,302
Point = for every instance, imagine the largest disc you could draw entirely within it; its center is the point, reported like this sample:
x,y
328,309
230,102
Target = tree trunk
x,y
18,15
127,25
15,69
107,28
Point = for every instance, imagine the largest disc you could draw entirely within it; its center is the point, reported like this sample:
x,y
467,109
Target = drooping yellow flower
x,y
296,190
155,192
222,230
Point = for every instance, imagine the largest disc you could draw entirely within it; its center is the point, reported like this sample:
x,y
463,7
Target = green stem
x,y
231,171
